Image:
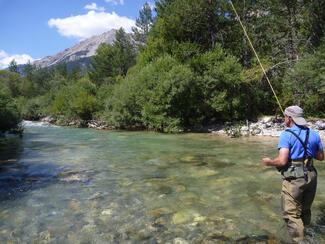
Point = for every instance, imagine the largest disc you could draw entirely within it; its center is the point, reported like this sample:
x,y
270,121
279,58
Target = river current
x,y
66,185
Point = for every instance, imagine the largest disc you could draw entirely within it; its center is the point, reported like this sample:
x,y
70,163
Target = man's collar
x,y
294,127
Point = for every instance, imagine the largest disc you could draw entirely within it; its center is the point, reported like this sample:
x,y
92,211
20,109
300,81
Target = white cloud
x,y
6,58
3,54
93,6
115,2
92,23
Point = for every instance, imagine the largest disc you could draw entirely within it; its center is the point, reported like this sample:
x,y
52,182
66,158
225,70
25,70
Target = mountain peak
x,y
78,54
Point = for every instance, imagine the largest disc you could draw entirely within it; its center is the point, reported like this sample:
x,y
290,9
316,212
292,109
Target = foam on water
x,y
28,123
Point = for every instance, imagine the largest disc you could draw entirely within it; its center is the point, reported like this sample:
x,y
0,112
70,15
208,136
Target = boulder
x,y
256,131
244,131
48,119
266,119
320,125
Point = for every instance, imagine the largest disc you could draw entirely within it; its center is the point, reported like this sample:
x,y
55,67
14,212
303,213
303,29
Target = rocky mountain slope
x,y
79,54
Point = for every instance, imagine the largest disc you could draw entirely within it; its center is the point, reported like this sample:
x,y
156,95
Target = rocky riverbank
x,y
94,124
264,126
267,126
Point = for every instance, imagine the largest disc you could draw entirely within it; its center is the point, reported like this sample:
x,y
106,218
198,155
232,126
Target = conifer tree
x,y
13,67
143,24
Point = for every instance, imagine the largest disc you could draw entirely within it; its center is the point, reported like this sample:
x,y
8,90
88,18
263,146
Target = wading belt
x,y
292,170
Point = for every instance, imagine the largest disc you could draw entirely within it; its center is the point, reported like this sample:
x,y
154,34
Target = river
x,y
67,185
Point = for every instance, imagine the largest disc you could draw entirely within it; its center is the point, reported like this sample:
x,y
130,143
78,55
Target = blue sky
x,y
32,29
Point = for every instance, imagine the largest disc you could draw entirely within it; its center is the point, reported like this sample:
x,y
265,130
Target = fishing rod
x,y
258,59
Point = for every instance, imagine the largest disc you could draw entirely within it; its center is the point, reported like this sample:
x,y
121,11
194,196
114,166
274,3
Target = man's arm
x,y
280,160
320,155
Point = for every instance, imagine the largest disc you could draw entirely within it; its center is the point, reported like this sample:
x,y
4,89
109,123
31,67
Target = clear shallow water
x,y
64,185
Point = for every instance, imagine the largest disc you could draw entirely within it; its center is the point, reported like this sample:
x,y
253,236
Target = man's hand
x,y
266,161
279,161
320,155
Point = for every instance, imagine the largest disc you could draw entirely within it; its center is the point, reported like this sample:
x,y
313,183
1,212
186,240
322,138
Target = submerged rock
x,y
205,172
74,205
97,195
226,182
188,198
107,212
179,240
181,217
180,188
45,236
71,176
164,190
201,171
188,158
256,239
144,234
199,218
218,238
89,228
158,212
184,216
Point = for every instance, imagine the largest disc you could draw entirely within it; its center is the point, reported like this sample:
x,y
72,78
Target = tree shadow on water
x,y
10,149
17,178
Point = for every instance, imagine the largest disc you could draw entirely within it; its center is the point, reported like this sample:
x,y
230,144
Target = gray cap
x,y
297,114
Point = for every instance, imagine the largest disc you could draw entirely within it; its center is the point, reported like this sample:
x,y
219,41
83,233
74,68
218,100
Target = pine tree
x,y
125,51
13,67
143,24
113,60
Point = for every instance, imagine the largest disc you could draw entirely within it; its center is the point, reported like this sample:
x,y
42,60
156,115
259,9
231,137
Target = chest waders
x,y
298,168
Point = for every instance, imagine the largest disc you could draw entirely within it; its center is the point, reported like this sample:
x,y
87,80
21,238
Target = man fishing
x,y
298,146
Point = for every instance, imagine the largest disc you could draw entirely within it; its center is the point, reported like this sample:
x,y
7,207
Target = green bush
x,y
12,81
123,107
221,82
30,108
172,105
304,85
162,96
9,114
76,101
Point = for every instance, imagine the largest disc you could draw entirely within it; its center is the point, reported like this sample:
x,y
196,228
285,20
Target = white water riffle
x,y
28,123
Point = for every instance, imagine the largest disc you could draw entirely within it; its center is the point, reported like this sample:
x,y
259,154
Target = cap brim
x,y
299,120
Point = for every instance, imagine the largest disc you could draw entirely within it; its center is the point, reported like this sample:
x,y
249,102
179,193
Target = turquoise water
x,y
65,185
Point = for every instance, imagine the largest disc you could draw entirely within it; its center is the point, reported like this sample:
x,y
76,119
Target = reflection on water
x,y
10,149
66,185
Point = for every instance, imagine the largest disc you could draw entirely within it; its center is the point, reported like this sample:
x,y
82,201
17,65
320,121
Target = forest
x,y
186,64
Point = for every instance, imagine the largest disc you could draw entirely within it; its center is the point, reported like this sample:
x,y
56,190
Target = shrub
x,y
9,114
160,95
304,85
221,81
76,101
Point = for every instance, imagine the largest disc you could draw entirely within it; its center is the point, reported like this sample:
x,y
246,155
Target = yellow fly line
x,y
250,43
